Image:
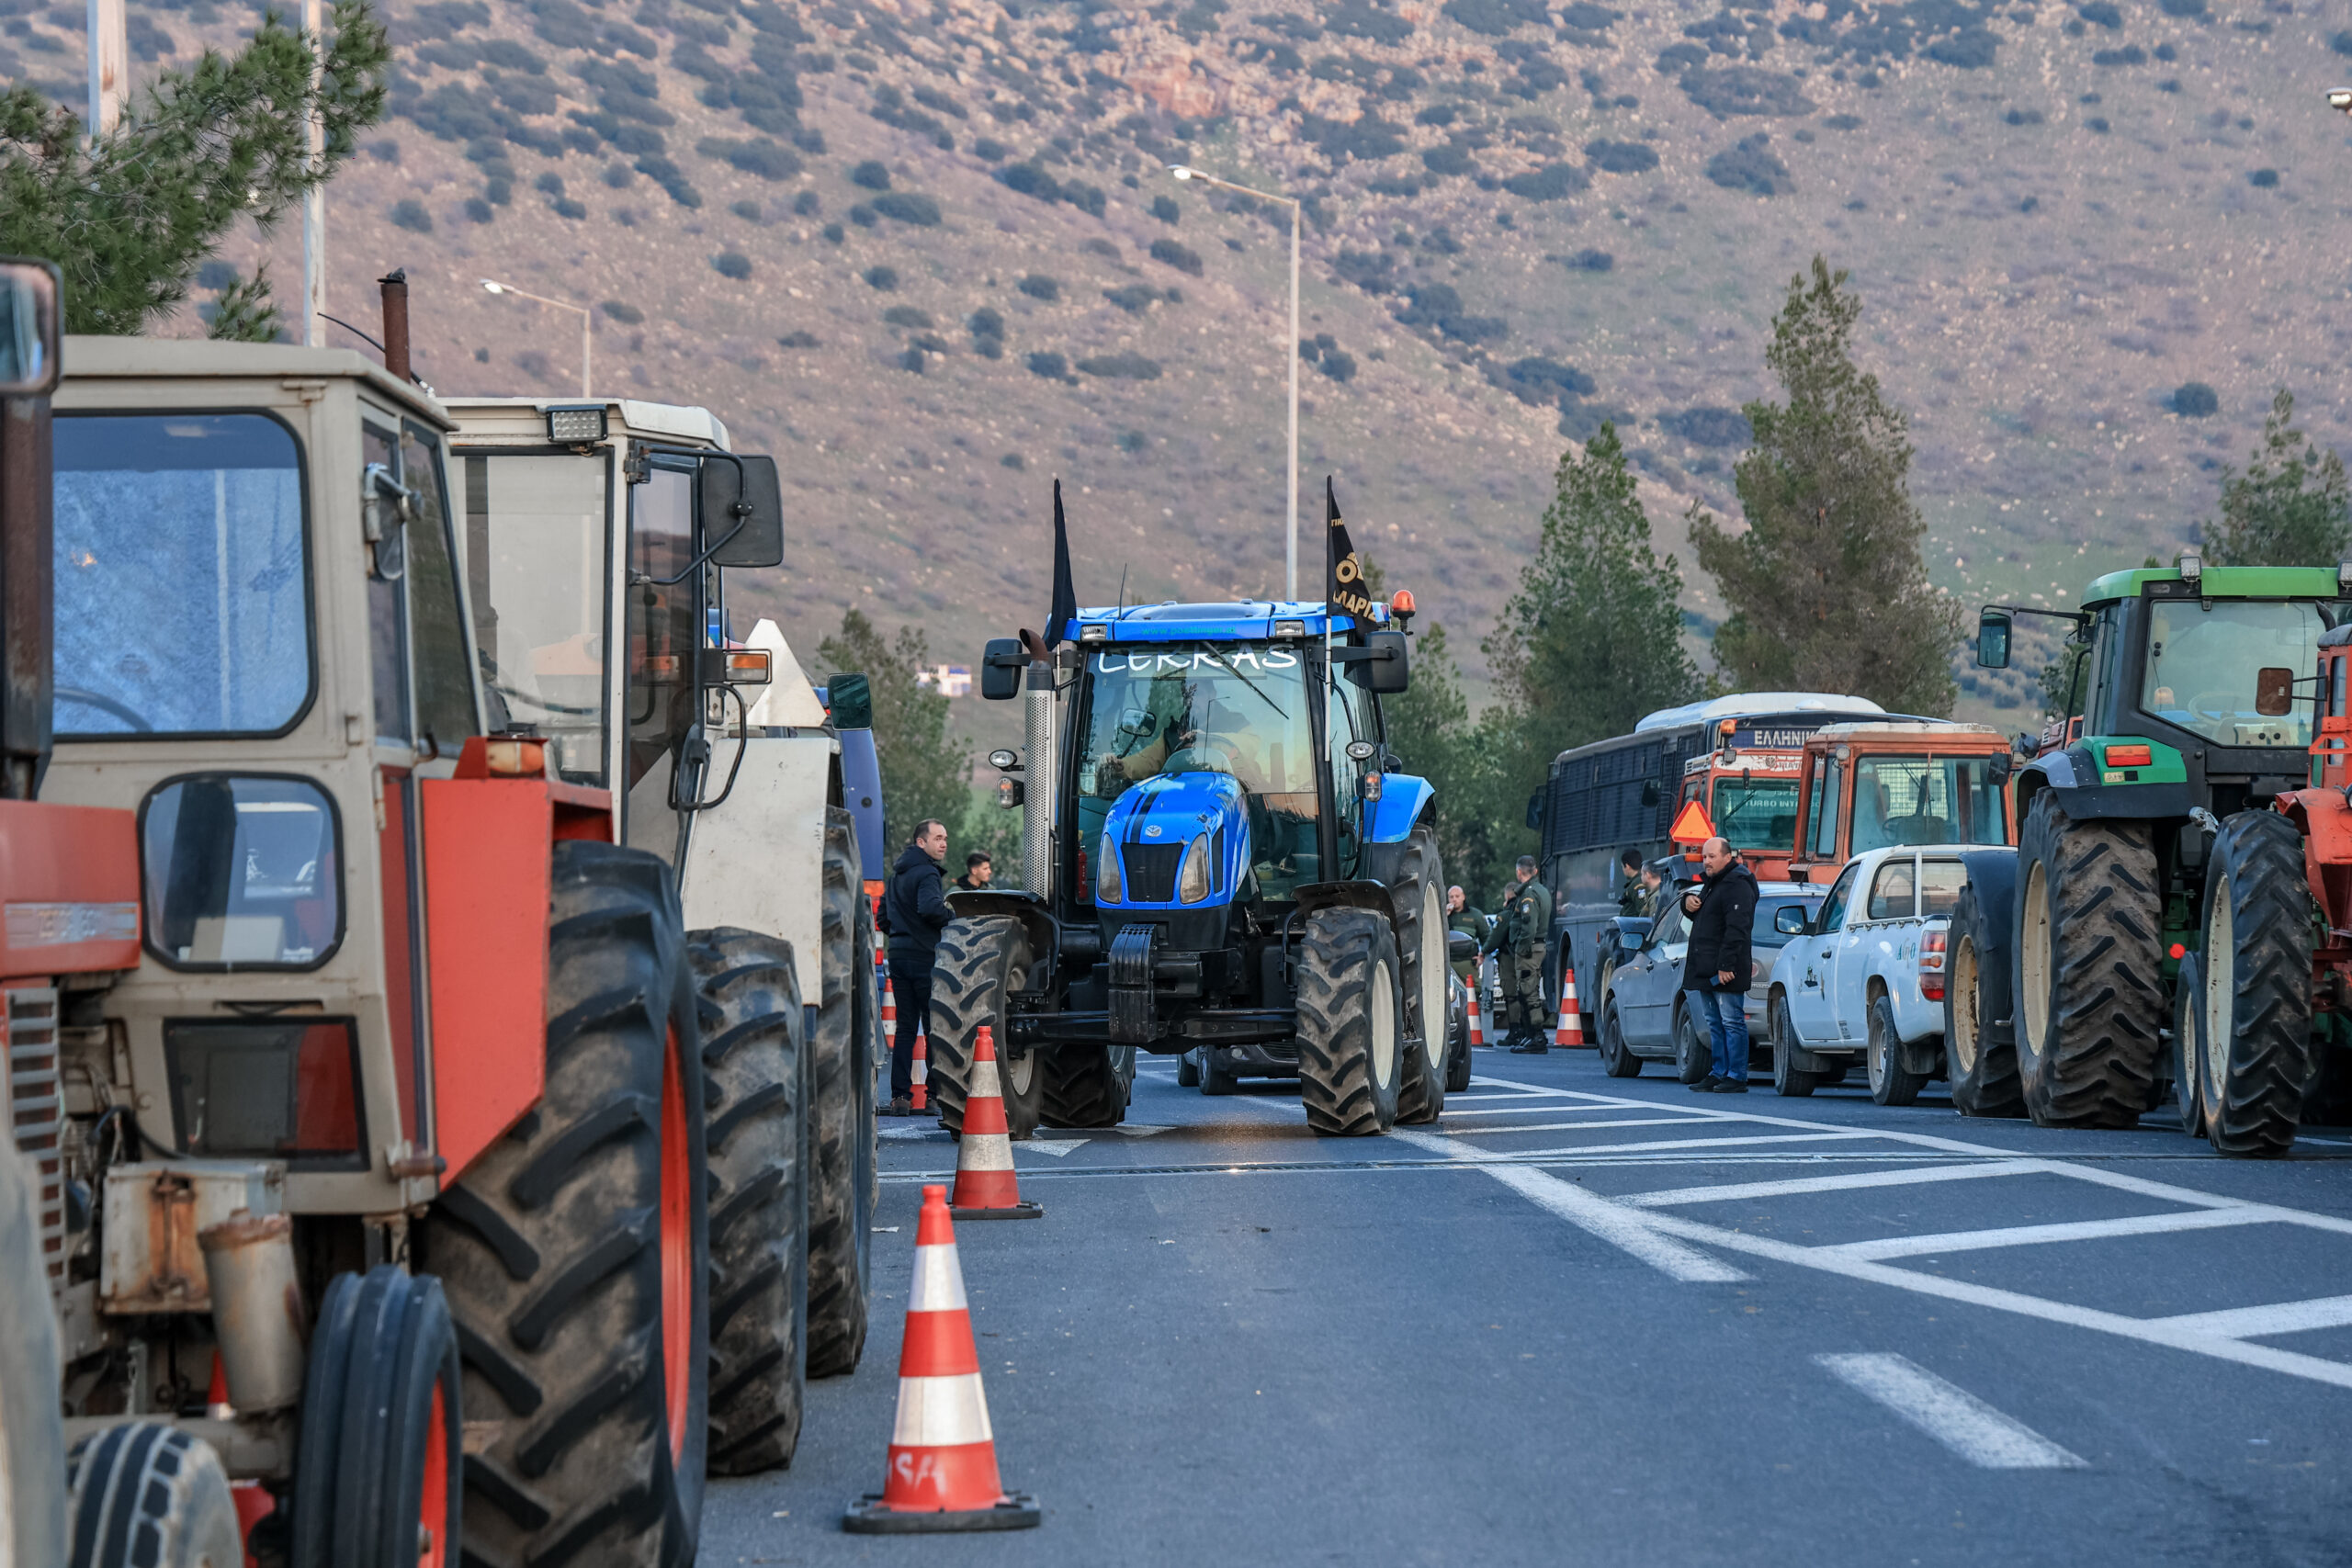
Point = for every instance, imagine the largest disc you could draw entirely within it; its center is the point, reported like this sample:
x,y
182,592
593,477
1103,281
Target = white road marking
x,y
1745,1190
2033,1235
1530,1105
1579,1150
2254,1322
1060,1148
1954,1416
1131,1131
1569,1126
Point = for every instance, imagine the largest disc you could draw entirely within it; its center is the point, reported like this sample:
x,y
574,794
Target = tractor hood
x,y
1153,826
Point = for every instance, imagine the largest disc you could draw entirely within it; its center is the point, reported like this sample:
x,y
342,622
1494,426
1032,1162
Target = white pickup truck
x,y
1865,975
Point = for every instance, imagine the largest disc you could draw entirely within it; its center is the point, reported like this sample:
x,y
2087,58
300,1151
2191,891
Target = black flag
x,y
1065,605
1343,592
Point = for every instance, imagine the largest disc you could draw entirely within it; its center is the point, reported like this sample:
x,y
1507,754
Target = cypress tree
x,y
1826,589
2289,508
924,775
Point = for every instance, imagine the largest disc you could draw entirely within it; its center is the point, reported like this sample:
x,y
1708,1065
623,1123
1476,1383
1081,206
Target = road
x,y
1590,1320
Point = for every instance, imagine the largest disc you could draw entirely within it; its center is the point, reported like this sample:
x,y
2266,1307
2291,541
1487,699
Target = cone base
x,y
868,1516
1017,1212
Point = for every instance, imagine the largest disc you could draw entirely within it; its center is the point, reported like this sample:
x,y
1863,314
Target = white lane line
x,y
1568,1126
2032,1236
1948,1413
2252,1322
1060,1148
1553,1155
1612,1224
1744,1189
1528,1105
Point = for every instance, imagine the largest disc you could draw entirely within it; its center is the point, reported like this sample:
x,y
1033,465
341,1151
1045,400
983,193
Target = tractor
x,y
1218,848
2156,841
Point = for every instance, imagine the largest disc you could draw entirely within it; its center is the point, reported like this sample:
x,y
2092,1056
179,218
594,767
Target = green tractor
x,y
2189,705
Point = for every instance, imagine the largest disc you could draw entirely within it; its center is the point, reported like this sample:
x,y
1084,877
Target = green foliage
x,y
732,264
1167,253
244,313
131,218
924,773
1826,589
2291,507
1124,365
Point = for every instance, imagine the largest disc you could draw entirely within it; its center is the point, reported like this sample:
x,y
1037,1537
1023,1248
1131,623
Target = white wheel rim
x,y
1434,1011
1384,1023
2221,992
2034,962
1963,981
1874,1055
1021,1071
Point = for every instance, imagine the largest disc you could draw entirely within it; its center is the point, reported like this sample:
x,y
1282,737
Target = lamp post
x,y
1290,544
495,287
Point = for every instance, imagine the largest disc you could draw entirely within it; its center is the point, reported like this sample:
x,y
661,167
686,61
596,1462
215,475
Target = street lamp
x,y
2340,99
494,288
1290,544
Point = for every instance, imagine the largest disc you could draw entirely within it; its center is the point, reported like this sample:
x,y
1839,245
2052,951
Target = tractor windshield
x,y
1238,709
2224,668
1756,814
1926,800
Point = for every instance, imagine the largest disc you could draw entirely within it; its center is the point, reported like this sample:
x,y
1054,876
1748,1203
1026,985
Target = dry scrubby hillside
x,y
926,251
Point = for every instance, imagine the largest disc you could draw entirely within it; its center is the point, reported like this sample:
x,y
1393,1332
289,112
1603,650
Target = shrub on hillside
x,y
622,312
1164,208
1438,304
1169,253
1744,89
1539,380
797,339
908,316
870,176
2195,400
1124,365
1052,367
1355,18
1037,285
883,279
2263,179
1496,19
1591,260
731,264
1747,167
1620,157
1708,426
409,214
1553,182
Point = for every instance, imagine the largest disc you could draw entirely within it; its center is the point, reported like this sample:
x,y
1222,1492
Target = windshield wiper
x,y
1245,680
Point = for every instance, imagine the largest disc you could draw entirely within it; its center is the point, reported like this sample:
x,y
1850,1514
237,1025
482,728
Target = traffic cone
x,y
1477,1021
943,1472
1571,1031
985,1186
922,1076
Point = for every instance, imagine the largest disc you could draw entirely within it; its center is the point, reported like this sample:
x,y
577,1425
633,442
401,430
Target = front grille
x,y
1151,871
35,1107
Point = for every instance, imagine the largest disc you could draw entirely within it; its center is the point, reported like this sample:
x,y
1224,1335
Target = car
x,y
1644,1016
1864,977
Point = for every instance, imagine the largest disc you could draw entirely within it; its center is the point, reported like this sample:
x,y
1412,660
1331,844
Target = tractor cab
x,y
1873,785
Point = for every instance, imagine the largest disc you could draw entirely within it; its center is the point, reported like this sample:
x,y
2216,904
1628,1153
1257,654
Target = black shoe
x,y
1704,1086
1728,1085
1531,1047
900,1107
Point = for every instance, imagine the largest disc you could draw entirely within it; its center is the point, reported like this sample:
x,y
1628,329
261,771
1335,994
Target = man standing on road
x,y
1460,917
1632,892
915,912
979,871
1518,942
1718,964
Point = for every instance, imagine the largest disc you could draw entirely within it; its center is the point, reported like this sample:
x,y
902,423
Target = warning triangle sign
x,y
1690,825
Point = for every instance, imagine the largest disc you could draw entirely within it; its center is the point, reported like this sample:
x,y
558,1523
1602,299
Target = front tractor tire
x,y
2090,1001
755,1092
147,1496
1086,1085
844,1170
2257,985
1350,1022
979,961
1415,878
575,1251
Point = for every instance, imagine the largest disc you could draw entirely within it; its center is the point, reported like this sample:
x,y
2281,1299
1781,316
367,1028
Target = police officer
x,y
1631,896
1518,937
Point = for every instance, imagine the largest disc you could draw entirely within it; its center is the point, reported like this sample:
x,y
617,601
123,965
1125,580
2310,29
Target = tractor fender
x,y
2081,795
1373,896
1043,930
1404,802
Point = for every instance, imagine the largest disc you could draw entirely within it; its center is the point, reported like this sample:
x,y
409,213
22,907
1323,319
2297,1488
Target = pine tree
x,y
924,775
1826,589
129,218
2290,507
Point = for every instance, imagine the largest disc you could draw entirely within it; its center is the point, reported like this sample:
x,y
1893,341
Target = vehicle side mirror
x,y
1002,664
851,701
1389,670
1993,640
2274,690
742,503
1535,811
1788,920
1999,766
29,292
385,505
1461,947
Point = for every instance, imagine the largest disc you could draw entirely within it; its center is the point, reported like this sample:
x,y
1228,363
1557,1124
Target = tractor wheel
x,y
1217,1079
1081,1086
147,1496
1350,1022
979,962
32,1440
1617,1059
2089,1005
1415,878
1188,1070
755,1071
2257,985
383,1435
1883,1059
1980,1039
1789,1080
843,1049
2189,1045
576,1251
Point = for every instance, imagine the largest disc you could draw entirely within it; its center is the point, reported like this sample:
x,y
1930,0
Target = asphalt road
x,y
1586,1320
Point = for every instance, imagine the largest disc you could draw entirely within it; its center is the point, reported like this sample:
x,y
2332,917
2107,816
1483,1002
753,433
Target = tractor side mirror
x,y
385,505
28,301
1788,920
1999,766
1993,640
1461,947
1380,666
850,701
742,503
1535,811
1002,662
2274,690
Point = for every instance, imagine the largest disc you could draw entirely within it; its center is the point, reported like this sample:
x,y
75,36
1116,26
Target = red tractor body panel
x,y
70,878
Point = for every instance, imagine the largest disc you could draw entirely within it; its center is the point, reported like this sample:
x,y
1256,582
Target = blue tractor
x,y
1218,848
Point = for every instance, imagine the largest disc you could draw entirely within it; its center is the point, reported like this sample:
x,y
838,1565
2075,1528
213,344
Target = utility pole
x,y
314,200
109,66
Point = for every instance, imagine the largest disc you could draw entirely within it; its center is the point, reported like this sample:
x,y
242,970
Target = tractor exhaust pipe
x,y
1043,752
395,294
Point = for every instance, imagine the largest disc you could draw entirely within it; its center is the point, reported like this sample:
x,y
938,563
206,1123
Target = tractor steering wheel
x,y
105,705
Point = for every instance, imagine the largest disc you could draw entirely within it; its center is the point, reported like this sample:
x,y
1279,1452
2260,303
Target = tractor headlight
x,y
1106,874
1193,882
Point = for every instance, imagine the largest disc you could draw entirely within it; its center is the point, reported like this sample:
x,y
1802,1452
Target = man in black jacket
x,y
915,912
1718,965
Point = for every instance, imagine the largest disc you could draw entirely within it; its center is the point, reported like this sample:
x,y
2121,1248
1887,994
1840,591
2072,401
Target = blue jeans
x,y
1726,1015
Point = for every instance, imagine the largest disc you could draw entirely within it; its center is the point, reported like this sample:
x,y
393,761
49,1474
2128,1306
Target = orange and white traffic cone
x,y
921,1075
986,1187
943,1473
1478,1019
1571,1031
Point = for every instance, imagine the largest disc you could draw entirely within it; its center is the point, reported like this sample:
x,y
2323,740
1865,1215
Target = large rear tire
x,y
147,1496
33,1528
2257,983
1980,1036
1350,1022
755,1093
576,1252
1081,1086
2089,1004
843,1049
980,961
1414,874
